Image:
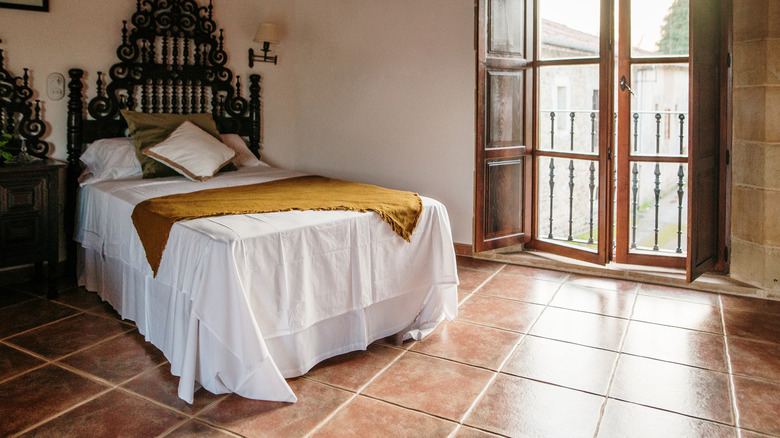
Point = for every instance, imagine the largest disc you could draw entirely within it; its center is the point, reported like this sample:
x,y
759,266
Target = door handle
x,y
624,85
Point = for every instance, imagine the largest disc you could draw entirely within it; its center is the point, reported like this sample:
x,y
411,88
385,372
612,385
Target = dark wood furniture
x,y
29,216
29,192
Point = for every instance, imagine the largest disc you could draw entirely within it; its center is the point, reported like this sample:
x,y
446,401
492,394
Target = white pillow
x,y
244,157
192,152
108,159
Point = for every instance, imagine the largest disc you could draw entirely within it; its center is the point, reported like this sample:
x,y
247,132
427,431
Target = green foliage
x,y
4,140
674,31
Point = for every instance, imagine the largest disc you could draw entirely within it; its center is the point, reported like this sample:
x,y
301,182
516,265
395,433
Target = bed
x,y
238,303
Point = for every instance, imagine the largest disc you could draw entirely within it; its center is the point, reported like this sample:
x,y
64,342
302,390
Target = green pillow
x,y
149,129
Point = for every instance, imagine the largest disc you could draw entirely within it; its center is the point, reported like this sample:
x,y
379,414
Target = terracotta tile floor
x,y
533,353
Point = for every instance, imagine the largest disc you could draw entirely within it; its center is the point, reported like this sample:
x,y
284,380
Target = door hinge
x,y
726,254
728,60
728,157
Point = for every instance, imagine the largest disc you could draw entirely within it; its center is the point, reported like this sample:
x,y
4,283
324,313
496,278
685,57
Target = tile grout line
x,y
617,361
79,311
187,417
63,412
417,410
110,387
35,368
130,326
354,395
490,277
127,392
732,386
404,351
506,359
63,318
46,361
55,361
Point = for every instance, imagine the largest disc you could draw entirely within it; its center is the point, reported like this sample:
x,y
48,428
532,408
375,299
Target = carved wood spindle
x,y
144,51
203,96
175,95
166,100
165,50
99,84
186,56
194,101
254,114
155,94
175,52
144,98
183,92
10,125
130,101
75,120
152,51
215,103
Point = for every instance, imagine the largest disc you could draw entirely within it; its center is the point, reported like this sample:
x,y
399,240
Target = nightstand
x,y
29,216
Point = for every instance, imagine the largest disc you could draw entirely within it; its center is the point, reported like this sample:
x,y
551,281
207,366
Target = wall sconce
x,y
266,34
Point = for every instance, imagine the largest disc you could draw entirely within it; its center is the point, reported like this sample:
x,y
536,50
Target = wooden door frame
x,y
606,145
710,55
484,155
624,157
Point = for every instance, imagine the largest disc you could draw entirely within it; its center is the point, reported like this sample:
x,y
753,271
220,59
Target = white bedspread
x,y
242,302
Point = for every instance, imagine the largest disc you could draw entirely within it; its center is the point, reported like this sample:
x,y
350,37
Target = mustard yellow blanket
x,y
154,217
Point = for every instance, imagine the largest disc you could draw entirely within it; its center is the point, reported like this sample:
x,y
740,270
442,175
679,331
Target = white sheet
x,y
241,302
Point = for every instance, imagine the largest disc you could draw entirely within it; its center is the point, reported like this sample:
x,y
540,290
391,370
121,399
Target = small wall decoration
x,y
31,5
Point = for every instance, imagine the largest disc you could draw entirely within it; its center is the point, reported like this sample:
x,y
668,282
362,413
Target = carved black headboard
x,y
18,115
171,60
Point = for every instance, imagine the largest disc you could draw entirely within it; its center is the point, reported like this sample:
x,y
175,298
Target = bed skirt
x,y
199,357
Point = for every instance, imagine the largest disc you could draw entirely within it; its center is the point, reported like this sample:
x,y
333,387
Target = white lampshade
x,y
266,32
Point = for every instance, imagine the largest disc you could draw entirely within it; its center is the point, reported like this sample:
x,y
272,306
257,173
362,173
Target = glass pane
x,y
659,109
505,108
568,202
659,207
507,26
504,198
659,27
568,108
569,29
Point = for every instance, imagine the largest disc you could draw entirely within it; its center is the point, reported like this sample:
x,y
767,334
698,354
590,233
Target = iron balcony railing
x,y
658,196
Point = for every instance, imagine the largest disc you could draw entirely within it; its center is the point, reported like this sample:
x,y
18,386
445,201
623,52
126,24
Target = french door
x,y
574,144
589,134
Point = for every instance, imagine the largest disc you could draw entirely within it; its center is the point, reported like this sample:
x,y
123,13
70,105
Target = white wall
x,y
385,94
370,90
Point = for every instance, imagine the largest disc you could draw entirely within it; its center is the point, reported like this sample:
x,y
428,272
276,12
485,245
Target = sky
x,y
583,15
